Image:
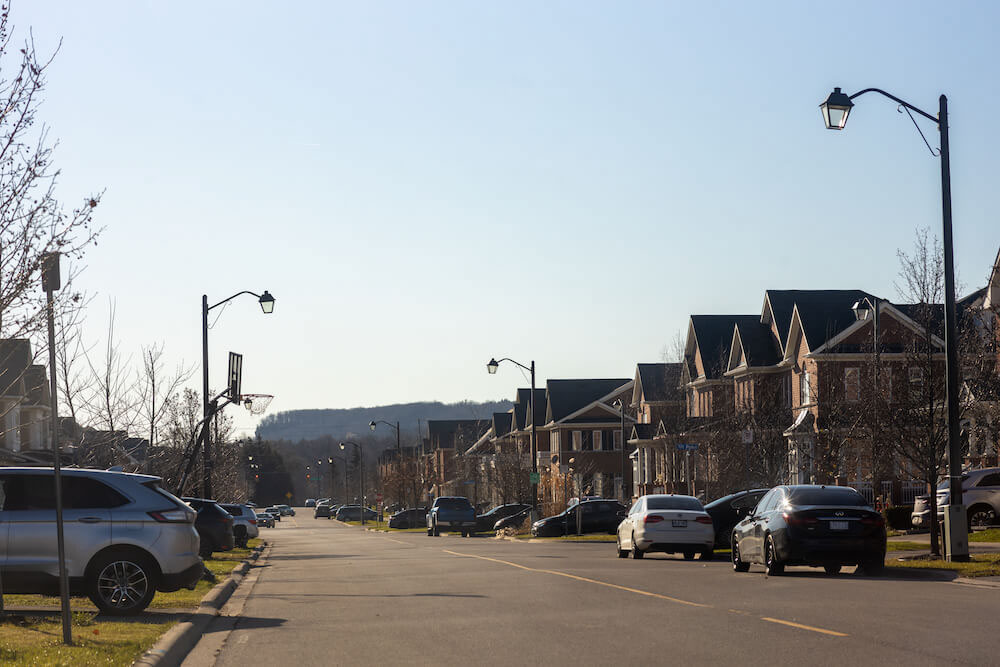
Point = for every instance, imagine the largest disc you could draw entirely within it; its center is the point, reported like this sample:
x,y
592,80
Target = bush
x,y
898,517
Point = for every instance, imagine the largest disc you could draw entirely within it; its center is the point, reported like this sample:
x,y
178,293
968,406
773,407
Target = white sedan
x,y
669,524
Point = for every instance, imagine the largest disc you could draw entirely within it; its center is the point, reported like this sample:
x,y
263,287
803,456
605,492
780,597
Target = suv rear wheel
x,y
981,516
121,583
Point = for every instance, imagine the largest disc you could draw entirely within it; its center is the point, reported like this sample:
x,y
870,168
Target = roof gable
x,y
657,382
565,397
713,338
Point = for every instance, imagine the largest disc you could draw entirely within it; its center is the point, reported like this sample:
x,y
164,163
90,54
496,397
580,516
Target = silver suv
x,y
980,494
125,536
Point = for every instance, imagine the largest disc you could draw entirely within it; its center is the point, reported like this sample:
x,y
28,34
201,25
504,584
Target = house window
x,y
577,440
805,392
597,441
916,383
852,384
554,441
618,439
786,390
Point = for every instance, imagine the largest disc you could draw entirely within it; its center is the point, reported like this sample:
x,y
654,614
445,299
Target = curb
x,y
177,642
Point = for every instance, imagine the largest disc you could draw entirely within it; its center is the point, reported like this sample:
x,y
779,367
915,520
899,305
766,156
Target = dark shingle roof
x,y
825,313
567,396
36,384
920,312
501,423
521,402
759,344
714,334
660,382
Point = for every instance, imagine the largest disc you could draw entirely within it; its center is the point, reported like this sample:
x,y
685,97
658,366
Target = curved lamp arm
x,y
898,101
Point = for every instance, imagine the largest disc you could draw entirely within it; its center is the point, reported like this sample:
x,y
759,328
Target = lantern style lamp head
x,y
342,446
371,425
861,310
835,110
266,302
492,366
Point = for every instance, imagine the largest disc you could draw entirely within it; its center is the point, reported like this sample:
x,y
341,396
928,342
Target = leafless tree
x,y
158,389
111,402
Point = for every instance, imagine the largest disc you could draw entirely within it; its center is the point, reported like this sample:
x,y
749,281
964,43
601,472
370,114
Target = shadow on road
x,y
280,596
311,556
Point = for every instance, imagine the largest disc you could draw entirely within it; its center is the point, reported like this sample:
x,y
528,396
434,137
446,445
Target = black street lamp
x,y
491,368
267,305
835,110
373,424
361,461
862,309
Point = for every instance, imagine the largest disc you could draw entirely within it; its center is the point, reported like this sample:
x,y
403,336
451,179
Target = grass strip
x,y
991,535
979,565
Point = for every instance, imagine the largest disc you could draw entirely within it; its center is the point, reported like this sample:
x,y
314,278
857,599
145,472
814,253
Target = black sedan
x,y
728,510
415,517
514,520
325,511
487,520
596,516
819,526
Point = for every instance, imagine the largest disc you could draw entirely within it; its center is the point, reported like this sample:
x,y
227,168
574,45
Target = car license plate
x,y
839,525
680,523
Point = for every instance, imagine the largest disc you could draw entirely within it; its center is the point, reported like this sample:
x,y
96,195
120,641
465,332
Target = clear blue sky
x,y
424,185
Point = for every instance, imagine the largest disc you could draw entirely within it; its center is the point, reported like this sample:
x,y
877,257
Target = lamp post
x,y
330,459
861,310
361,460
836,109
491,367
373,424
267,305
620,404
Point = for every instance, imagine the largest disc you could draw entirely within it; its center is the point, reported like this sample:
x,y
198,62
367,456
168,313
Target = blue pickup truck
x,y
451,513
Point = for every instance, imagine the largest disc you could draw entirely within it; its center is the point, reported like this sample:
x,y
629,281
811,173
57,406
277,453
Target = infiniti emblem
x,y
839,513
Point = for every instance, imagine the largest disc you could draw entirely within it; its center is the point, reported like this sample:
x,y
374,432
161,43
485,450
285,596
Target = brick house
x,y
659,407
24,406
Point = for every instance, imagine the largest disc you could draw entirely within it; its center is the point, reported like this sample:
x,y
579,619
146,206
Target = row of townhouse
x,y
785,395
26,420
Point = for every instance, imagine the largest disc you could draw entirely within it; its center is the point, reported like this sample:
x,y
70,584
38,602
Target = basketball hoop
x,y
256,404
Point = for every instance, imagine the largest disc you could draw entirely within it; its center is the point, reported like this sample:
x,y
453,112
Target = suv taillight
x,y
652,518
177,515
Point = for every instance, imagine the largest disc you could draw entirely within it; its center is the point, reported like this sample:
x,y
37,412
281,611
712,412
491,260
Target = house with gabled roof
x,y
657,402
583,424
25,405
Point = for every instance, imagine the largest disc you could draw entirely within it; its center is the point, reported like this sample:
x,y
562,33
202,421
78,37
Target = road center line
x,y
803,627
584,579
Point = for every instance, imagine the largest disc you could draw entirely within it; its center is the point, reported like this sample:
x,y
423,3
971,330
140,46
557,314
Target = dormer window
x,y
805,391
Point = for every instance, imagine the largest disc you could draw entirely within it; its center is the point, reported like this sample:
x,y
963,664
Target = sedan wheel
x,y
637,553
832,569
771,565
621,552
738,564
688,555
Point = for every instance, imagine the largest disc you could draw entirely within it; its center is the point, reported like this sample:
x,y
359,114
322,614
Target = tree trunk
x,y
932,504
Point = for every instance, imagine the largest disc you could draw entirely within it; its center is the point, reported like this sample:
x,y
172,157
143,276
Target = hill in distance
x,y
295,425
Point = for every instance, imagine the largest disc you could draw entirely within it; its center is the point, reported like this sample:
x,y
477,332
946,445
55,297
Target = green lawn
x,y
37,640
907,546
980,565
991,535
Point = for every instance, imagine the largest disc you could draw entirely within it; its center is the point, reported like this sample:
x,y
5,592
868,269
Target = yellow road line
x,y
637,591
585,579
803,627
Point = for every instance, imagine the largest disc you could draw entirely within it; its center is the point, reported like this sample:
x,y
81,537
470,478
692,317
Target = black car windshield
x,y
828,495
454,503
672,503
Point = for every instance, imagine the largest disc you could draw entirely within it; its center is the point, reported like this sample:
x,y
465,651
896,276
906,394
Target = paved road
x,y
328,594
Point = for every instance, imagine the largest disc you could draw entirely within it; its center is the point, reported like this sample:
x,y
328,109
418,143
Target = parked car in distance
x,y
728,510
980,494
453,513
487,520
214,526
514,520
264,520
353,513
310,502
115,525
415,517
244,523
596,516
325,511
819,526
285,510
668,524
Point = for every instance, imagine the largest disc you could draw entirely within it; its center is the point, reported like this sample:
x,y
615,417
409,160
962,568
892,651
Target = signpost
x,y
534,477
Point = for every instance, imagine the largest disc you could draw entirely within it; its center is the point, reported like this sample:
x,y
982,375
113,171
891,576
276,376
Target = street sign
x,y
378,498
288,495
687,446
534,477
